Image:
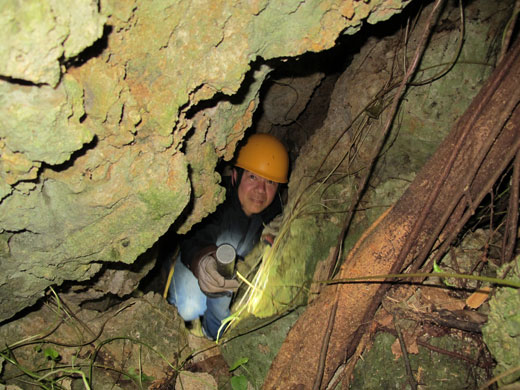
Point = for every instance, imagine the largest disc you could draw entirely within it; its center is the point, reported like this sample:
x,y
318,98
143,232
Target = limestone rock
x,y
39,34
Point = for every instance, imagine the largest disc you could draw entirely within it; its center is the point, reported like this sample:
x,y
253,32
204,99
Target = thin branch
x,y
411,378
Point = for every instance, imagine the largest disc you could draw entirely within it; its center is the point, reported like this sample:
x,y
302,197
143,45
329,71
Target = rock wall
x,y
114,114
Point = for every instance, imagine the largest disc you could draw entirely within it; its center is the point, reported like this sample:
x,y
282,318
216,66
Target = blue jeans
x,y
184,292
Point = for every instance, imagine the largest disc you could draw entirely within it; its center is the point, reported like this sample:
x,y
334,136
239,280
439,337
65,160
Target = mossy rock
x,y
502,331
379,368
259,341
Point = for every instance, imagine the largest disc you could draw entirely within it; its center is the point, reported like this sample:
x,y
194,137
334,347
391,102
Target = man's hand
x,y
271,230
210,281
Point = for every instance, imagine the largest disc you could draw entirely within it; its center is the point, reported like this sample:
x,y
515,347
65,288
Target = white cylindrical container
x,y
226,256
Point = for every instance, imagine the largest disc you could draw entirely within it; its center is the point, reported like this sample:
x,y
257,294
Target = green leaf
x,y
134,375
239,382
238,363
437,269
51,354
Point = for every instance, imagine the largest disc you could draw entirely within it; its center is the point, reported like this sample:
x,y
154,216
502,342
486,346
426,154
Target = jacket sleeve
x,y
227,224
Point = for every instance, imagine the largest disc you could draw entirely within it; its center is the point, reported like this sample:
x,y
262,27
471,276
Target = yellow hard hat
x,y
266,156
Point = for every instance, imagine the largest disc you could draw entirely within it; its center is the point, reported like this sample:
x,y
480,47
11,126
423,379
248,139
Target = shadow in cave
x,y
73,157
95,50
235,99
166,247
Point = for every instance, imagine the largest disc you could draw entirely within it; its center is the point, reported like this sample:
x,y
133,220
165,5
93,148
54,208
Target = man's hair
x,y
240,173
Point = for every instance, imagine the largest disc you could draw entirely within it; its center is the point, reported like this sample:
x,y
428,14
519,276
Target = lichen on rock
x,y
50,117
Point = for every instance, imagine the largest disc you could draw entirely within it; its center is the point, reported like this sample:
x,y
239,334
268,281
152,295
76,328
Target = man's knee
x,y
191,309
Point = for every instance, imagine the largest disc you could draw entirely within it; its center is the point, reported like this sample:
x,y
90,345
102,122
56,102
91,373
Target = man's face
x,y
255,193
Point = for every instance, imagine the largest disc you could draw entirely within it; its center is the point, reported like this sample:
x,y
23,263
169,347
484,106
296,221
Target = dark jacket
x,y
227,225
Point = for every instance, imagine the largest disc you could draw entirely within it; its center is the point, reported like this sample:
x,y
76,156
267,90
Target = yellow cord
x,y
170,274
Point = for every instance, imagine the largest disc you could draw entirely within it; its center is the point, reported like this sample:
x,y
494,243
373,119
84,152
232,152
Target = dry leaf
x,y
412,347
264,349
384,319
478,297
396,349
441,299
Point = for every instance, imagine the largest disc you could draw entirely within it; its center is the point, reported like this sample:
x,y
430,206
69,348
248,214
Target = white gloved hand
x,y
211,281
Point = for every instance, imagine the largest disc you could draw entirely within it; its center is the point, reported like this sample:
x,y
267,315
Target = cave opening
x,y
293,104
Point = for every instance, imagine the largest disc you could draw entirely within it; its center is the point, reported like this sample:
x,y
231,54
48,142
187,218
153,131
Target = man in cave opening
x,y
198,289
